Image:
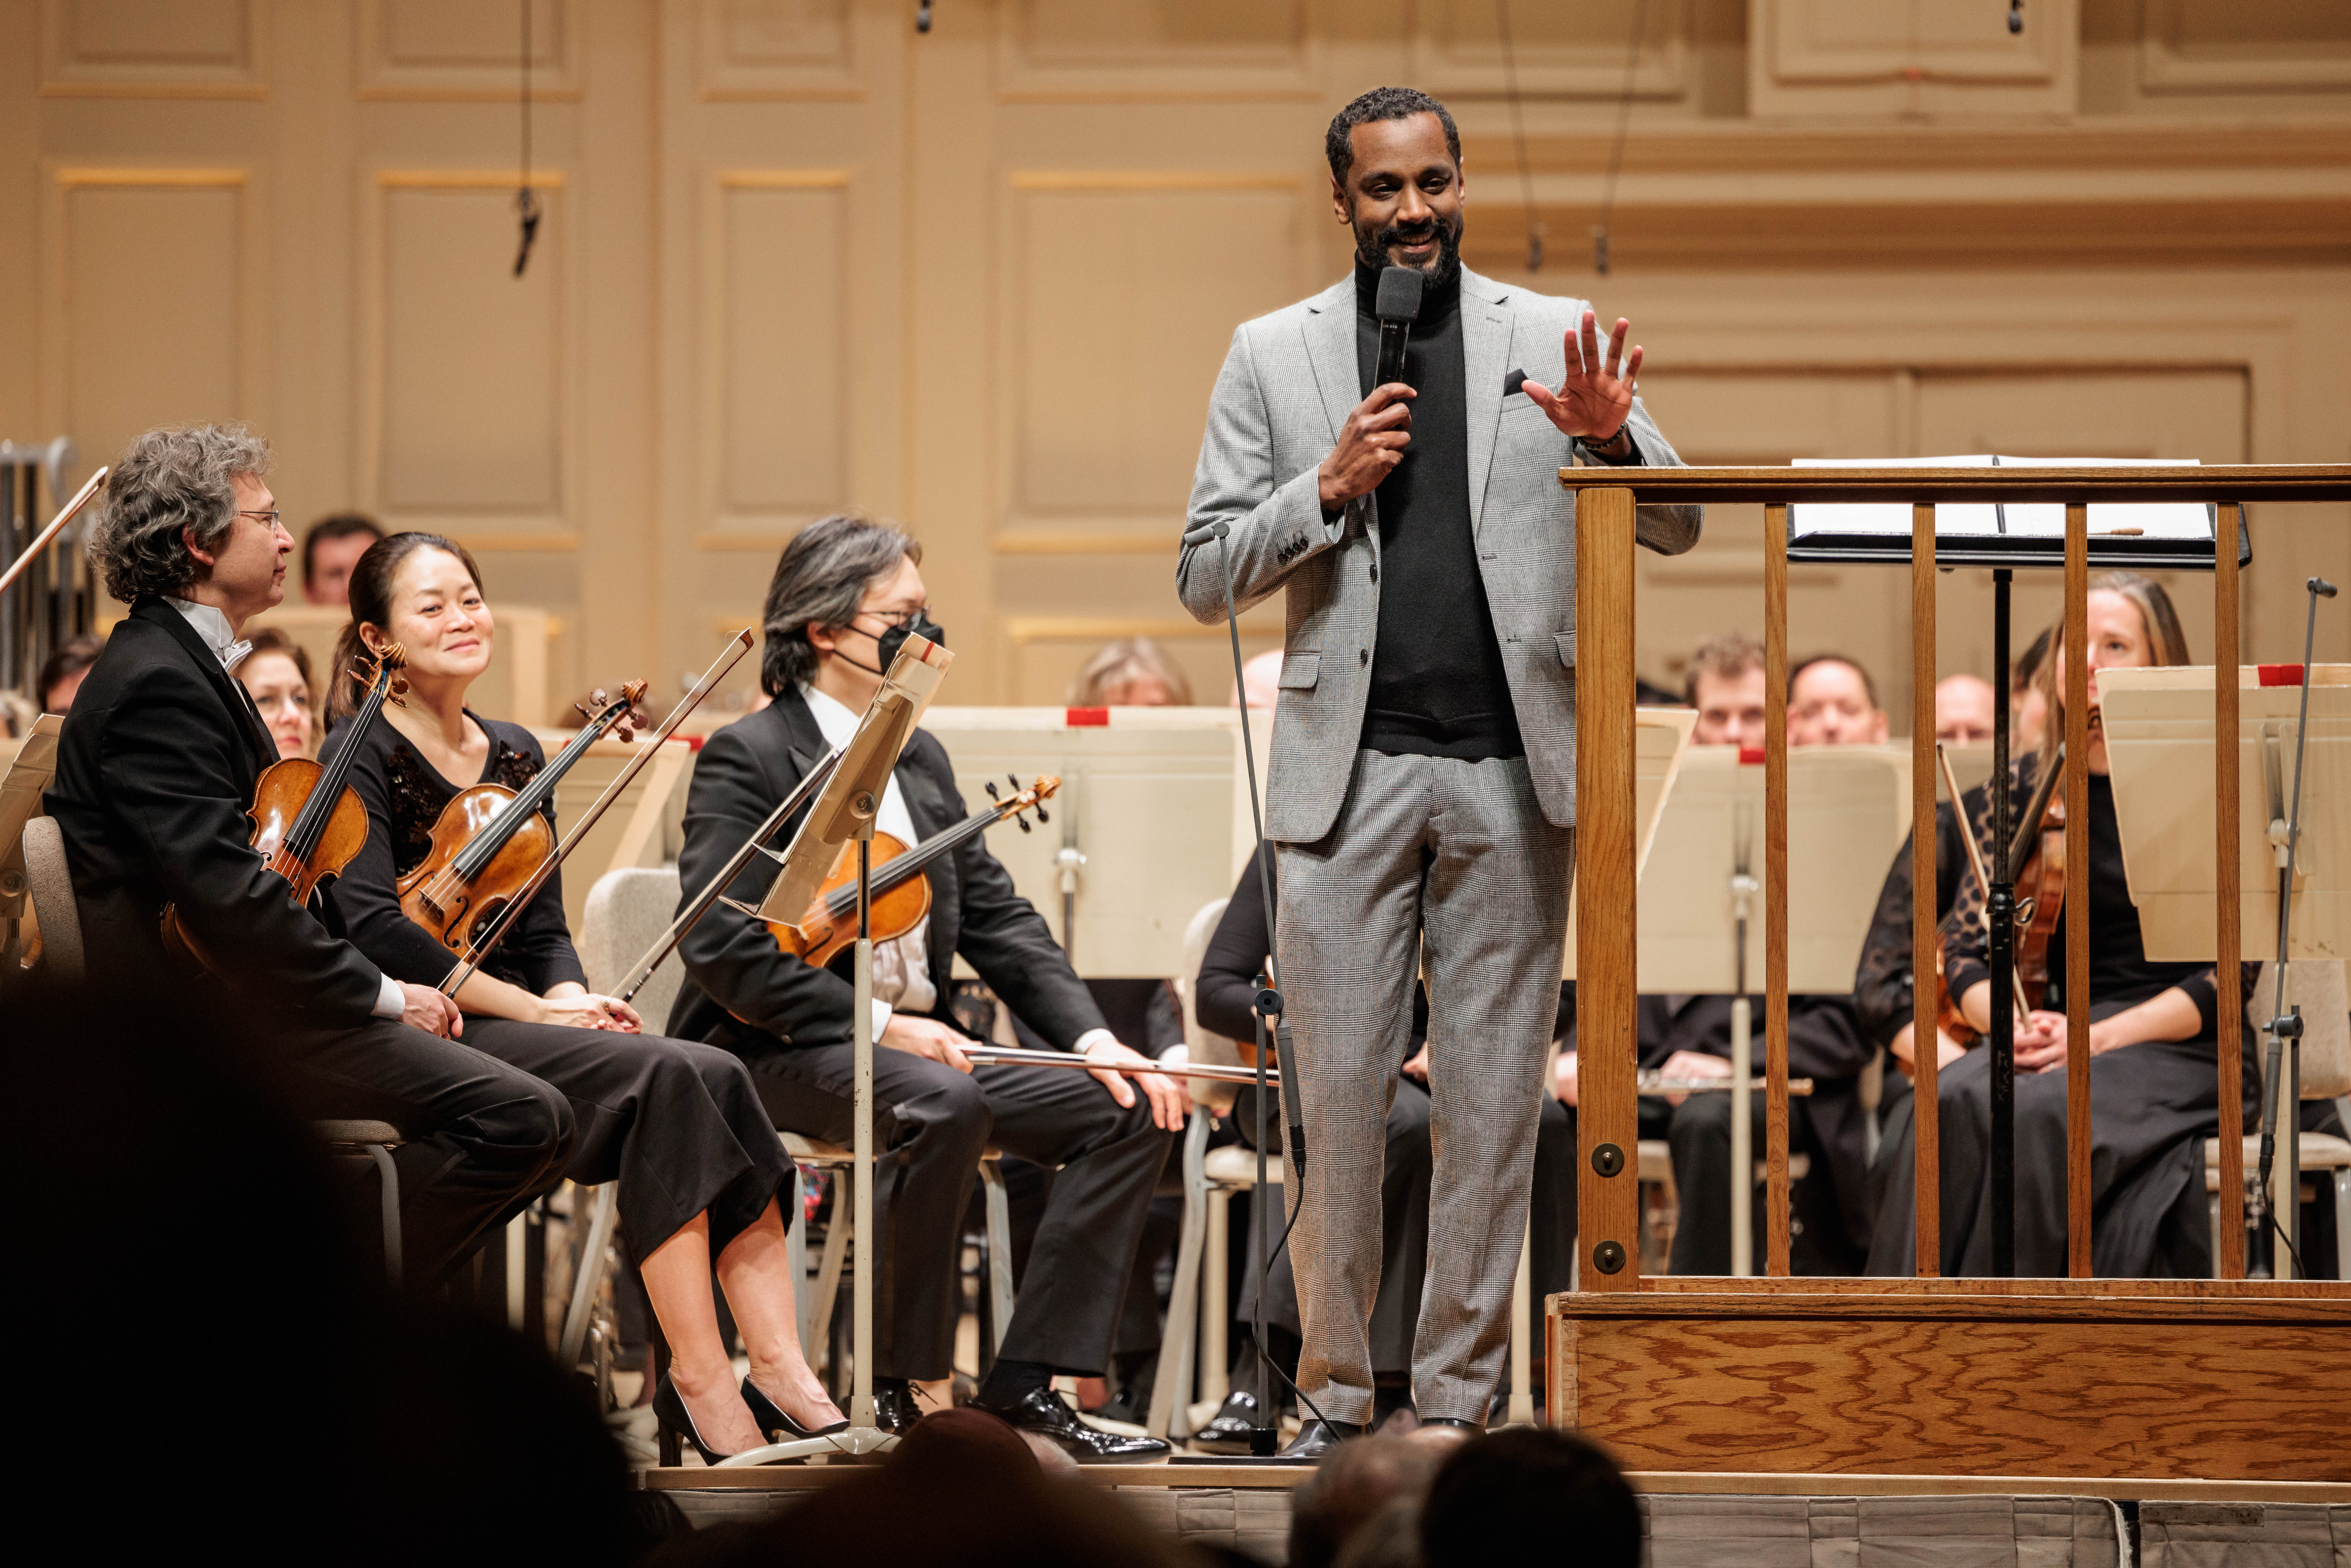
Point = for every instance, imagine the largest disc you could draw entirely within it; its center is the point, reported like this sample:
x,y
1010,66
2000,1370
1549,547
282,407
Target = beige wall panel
x,y
468,49
776,48
2227,46
1761,418
468,361
168,49
1114,327
1562,51
149,310
778,343
1093,50
1882,58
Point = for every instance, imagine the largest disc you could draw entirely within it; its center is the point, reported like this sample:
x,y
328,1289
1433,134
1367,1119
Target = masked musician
x,y
845,594
2154,1083
156,770
702,1174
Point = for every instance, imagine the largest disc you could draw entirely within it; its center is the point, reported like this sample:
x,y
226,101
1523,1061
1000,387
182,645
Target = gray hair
x,y
1121,663
173,481
819,581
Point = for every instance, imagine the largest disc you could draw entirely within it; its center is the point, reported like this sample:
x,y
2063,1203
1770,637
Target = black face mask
x,y
894,639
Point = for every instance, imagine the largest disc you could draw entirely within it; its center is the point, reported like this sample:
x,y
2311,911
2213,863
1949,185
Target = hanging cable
x,y
1519,132
1616,152
526,199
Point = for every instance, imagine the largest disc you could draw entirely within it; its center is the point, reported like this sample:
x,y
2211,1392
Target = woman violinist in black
x,y
2154,1078
702,1172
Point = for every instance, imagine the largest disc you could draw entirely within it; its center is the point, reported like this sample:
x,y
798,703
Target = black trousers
x,y
676,1122
485,1138
931,1123
1700,1138
1404,1216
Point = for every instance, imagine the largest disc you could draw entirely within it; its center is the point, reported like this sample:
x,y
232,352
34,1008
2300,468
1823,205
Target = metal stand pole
x,y
1999,914
1743,889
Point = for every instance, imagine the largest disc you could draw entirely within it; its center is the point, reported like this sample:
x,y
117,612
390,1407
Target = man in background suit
x,y
845,595
1422,791
156,770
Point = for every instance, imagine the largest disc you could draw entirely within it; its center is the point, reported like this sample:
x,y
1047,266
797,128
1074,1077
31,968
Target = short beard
x,y
1371,249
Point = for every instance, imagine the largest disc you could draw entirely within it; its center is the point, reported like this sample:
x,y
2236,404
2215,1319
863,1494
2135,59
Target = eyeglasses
x,y
269,517
906,618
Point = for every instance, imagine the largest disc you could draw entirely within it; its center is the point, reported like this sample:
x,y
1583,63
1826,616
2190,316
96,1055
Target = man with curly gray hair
x,y
157,769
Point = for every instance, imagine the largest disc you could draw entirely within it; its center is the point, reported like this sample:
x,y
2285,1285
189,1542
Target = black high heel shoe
x,y
771,1416
669,1409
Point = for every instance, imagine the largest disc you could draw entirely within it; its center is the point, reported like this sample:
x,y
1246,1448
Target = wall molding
x,y
380,79
65,77
557,542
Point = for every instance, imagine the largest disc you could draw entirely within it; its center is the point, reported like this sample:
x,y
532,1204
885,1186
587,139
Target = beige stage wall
x,y
798,259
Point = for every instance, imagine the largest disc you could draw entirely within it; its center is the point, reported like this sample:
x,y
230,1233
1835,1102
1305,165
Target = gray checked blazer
x,y
1288,383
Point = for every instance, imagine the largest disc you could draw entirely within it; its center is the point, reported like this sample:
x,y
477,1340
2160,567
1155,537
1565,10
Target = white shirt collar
x,y
213,628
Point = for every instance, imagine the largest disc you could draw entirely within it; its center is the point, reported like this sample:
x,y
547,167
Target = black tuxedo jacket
x,y
156,768
733,965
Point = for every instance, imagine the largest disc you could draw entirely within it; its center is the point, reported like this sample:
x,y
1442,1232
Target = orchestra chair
x,y
50,886
2317,988
628,911
1193,1304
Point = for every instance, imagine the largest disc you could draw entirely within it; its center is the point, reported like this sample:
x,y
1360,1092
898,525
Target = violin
x,y
2036,868
490,840
307,822
899,895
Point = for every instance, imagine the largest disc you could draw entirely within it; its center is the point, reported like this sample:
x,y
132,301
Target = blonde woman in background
x,y
277,676
1131,673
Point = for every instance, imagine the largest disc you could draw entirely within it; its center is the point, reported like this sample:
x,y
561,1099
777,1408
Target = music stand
x,y
2171,535
844,814
1661,736
27,780
2158,726
1848,807
1151,823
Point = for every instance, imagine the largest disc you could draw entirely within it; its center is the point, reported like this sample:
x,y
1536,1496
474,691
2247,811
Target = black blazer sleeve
x,y
1826,1041
169,774
1000,934
1225,994
731,957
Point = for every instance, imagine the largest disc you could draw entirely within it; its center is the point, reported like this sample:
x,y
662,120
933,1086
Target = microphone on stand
x,y
1397,306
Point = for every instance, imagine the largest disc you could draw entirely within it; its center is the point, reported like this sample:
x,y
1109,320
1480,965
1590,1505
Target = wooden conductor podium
x,y
1918,1384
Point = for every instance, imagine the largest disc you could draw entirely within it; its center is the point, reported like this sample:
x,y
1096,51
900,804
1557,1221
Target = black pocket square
x,y
1513,382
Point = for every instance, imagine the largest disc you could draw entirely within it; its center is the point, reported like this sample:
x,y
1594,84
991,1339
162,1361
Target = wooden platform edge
x,y
1660,1483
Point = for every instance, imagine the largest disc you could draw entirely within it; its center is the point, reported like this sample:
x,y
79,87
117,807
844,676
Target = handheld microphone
x,y
1397,306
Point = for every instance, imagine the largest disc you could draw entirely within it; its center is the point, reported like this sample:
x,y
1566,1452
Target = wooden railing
x,y
1607,1209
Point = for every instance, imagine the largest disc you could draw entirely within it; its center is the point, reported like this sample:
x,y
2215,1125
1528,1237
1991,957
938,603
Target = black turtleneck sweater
x,y
1439,688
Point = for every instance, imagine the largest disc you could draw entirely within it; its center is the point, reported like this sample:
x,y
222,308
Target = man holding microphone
x,y
1421,800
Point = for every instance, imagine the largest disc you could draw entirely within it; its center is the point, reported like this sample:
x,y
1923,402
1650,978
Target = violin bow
x,y
24,562
642,969
726,662
1983,878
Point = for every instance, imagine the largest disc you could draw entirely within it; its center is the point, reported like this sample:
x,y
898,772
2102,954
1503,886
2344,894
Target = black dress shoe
x,y
775,1422
1043,1412
1458,1424
670,1411
1317,1438
1232,1429
895,1408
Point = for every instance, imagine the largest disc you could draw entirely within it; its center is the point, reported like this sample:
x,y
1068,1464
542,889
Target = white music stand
x,y
2158,726
1152,820
844,815
1848,808
28,775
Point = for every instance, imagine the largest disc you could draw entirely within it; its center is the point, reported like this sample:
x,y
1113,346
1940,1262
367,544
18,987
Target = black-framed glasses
x,y
906,618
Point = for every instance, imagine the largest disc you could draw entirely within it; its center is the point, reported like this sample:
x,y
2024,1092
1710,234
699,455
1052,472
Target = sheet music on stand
x,y
2168,536
27,779
1661,737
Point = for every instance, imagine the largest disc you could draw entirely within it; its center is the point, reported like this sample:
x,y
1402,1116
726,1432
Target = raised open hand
x,y
1595,397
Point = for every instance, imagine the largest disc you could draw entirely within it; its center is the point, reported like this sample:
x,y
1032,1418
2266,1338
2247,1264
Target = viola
x,y
307,822
899,895
490,840
2036,868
